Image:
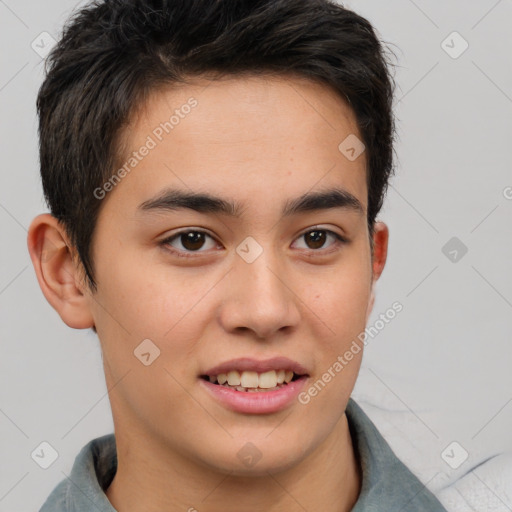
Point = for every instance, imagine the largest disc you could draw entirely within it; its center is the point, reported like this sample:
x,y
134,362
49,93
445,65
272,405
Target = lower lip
x,y
259,402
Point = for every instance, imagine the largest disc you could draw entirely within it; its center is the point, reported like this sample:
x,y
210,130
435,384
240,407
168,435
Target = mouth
x,y
254,382
251,386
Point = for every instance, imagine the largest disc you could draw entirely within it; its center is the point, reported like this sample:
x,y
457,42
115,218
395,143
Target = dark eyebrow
x,y
206,203
323,200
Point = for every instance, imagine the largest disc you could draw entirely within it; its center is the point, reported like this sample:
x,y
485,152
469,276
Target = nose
x,y
259,297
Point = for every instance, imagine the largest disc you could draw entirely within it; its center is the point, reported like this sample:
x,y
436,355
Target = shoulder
x,y
387,483
93,470
56,501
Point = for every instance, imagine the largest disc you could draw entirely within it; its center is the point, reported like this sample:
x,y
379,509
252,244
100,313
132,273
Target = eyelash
x,y
340,240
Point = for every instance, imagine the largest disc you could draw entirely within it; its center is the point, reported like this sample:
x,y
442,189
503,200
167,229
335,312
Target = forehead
x,y
273,101
244,133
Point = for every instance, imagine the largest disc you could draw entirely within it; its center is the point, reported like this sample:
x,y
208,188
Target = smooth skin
x,y
259,140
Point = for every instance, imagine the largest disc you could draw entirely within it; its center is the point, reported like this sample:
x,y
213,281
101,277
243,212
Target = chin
x,y
257,457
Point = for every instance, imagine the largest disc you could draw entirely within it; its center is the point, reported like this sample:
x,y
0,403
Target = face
x,y
205,285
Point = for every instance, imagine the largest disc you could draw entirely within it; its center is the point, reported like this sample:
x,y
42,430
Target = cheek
x,y
339,311
341,302
142,315
168,308
146,296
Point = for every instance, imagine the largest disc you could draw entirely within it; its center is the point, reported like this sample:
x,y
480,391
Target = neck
x,y
151,479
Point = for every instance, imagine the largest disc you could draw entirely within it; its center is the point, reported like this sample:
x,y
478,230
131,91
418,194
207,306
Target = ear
x,y
57,273
380,253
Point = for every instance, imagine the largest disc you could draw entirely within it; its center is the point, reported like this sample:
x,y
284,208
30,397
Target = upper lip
x,y
248,364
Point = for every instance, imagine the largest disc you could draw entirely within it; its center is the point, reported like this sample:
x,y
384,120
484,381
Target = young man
x,y
214,171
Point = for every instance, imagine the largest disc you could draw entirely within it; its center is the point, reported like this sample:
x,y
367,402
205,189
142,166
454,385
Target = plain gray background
x,y
438,373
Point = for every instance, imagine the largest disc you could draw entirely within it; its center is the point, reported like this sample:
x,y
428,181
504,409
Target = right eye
x,y
190,240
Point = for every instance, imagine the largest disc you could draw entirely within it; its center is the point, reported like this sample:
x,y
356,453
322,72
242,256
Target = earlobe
x,y
57,273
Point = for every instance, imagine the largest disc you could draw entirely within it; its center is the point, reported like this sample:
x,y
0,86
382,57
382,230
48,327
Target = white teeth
x,y
249,380
252,380
268,380
233,378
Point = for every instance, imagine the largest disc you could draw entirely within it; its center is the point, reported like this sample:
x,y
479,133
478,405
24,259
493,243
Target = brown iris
x,y
316,237
192,240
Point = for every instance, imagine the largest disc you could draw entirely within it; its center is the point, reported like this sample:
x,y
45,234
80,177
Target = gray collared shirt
x,y
387,484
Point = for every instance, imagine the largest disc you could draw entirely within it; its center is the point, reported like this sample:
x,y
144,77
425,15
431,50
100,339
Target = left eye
x,y
190,240
193,240
317,237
